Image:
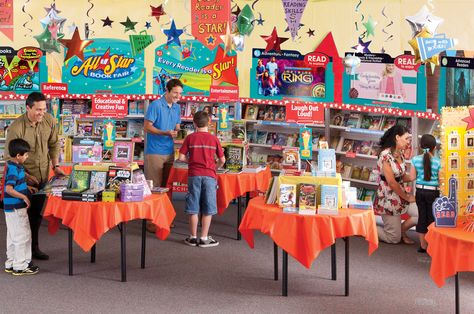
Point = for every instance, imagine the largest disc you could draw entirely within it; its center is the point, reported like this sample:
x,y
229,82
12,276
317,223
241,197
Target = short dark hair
x,y
201,118
18,146
34,97
173,83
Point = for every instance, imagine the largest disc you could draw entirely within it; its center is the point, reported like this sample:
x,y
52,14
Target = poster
x,y
383,80
288,74
198,68
6,18
108,67
209,21
21,71
456,82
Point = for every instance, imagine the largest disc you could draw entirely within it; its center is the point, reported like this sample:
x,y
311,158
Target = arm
x,y
394,185
10,190
53,149
220,162
183,158
11,135
408,177
149,128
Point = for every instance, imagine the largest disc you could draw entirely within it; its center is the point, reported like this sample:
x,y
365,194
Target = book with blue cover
x,y
327,161
329,196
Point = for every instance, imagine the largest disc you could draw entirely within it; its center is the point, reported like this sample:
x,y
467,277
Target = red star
x,y
157,12
469,120
273,41
75,46
226,65
104,60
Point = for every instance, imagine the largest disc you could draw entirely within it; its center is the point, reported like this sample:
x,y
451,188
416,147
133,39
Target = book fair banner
x,y
109,66
289,74
22,71
209,21
202,71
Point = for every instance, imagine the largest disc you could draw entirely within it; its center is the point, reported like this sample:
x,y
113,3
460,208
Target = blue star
x,y
133,69
362,47
210,40
147,25
260,20
173,34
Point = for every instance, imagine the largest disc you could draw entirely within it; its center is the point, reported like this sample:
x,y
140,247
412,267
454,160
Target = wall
x,y
337,16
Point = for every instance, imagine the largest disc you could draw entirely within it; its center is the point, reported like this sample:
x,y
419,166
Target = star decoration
x,y
46,42
362,47
370,26
273,41
52,16
237,11
423,19
469,120
107,22
173,34
129,25
52,7
75,46
157,12
53,28
259,20
414,44
228,75
228,41
210,40
310,32
72,27
147,25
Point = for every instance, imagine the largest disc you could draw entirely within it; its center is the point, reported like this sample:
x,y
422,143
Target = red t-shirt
x,y
202,148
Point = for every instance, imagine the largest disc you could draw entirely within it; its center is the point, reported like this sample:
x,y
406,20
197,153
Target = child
x,y
16,204
201,148
425,167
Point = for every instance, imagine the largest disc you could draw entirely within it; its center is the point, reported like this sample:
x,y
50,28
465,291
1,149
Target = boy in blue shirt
x,y
16,204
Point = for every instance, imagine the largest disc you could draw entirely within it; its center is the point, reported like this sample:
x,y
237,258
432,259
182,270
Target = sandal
x,y
407,240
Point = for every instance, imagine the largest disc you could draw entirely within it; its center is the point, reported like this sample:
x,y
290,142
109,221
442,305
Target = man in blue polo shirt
x,y
162,121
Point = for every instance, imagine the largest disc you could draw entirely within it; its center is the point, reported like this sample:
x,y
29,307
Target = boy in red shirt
x,y
200,150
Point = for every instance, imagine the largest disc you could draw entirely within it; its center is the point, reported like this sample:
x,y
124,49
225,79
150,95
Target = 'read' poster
x,y
203,72
383,80
21,71
108,67
289,74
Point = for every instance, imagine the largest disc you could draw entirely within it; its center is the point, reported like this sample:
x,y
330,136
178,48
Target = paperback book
x,y
287,196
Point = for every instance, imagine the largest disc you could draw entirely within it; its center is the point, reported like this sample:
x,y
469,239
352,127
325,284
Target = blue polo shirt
x,y
165,119
14,176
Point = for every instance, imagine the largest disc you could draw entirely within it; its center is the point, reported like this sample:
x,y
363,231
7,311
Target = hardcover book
x,y
269,114
287,196
123,152
98,180
116,176
239,133
352,120
80,180
388,123
329,196
251,112
280,113
307,196
86,150
327,160
68,125
234,155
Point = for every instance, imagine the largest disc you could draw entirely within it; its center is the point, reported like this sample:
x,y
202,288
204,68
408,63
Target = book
x,y
135,128
327,160
68,125
290,210
347,145
291,158
366,121
271,196
261,137
191,109
388,123
347,171
253,168
280,113
307,197
139,177
98,128
338,119
352,120
251,112
271,138
365,173
376,123
116,176
123,152
274,161
269,113
329,196
121,127
234,156
356,171
239,133
358,204
84,127
261,114
365,148
86,150
292,140
80,180
98,180
368,195
282,139
287,196
224,136
212,127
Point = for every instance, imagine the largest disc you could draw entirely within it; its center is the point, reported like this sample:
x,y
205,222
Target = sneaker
x,y
9,270
208,243
191,241
30,270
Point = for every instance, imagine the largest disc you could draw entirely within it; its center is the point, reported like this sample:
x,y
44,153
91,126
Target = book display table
x,y
304,237
90,220
451,251
230,186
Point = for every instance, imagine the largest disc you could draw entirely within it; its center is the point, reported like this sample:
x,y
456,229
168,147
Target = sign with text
x,y
6,18
54,89
209,21
305,113
224,93
103,106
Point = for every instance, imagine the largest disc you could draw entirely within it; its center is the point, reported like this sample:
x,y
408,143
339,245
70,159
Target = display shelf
x,y
370,157
361,181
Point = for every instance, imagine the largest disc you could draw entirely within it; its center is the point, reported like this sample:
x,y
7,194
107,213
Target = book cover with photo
x,y
271,138
261,137
191,109
269,113
307,196
251,112
352,120
338,119
287,195
280,113
282,139
347,145
239,132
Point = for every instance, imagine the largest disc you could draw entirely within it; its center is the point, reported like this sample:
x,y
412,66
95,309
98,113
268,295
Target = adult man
x,y
39,129
162,121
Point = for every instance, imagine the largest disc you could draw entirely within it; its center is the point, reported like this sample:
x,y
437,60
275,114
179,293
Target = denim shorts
x,y
201,197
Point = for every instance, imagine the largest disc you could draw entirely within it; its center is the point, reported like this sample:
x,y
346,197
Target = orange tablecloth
x,y
304,237
451,251
90,220
231,185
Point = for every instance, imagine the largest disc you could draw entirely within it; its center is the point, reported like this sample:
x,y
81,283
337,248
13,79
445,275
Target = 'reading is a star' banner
x,y
293,11
6,18
209,21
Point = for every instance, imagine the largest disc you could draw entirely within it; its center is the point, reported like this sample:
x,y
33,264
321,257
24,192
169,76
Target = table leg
x,y
333,262
275,261
284,274
143,243
239,216
93,254
122,229
69,238
456,291
247,199
346,292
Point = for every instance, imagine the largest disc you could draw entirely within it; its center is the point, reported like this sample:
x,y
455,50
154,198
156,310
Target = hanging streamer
x,y
93,20
29,15
254,3
389,36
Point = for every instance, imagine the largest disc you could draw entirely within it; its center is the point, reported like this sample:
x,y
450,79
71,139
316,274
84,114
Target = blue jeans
x,y
201,197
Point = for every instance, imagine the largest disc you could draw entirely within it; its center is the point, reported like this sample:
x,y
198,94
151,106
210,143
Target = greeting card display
x,y
383,80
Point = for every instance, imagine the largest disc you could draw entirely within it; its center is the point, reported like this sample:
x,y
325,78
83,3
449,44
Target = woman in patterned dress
x,y
391,198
